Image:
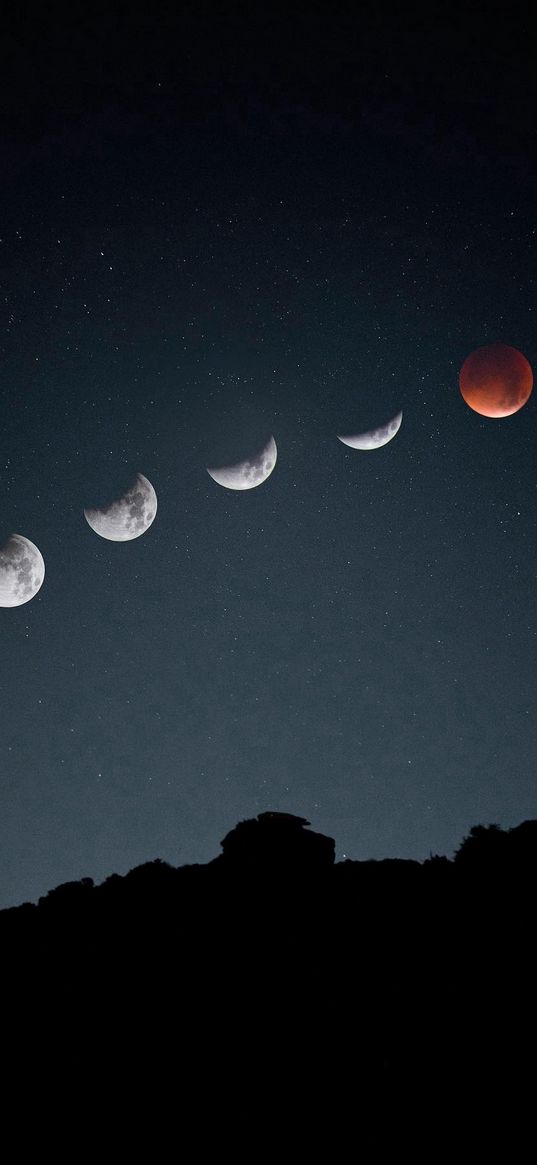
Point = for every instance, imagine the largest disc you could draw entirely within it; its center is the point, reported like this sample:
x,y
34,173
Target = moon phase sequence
x,y
22,571
249,473
128,516
495,380
374,438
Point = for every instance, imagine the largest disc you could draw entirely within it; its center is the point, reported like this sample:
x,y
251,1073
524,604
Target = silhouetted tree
x,y
484,846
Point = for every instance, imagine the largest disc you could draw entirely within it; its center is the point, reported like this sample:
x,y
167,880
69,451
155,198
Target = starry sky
x,y
214,227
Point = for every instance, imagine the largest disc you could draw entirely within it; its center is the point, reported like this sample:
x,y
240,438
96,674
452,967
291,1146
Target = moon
x,y
129,516
247,474
496,380
22,571
374,438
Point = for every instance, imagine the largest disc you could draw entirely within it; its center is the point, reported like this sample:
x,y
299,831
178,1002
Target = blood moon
x,y
496,380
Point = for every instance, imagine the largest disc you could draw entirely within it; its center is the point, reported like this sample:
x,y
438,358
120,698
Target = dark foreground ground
x,y
274,1001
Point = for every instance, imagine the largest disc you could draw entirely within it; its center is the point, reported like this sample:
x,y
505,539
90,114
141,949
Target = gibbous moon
x,y
129,516
249,473
496,380
374,438
22,571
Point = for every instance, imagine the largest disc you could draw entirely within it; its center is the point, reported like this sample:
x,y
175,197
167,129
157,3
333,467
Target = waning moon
x,y
374,438
129,516
249,473
22,571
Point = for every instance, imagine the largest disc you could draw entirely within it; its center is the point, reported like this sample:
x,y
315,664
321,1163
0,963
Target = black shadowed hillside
x,y
395,994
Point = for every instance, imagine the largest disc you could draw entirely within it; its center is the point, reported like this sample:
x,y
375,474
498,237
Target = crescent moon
x,y
22,571
127,517
374,438
247,474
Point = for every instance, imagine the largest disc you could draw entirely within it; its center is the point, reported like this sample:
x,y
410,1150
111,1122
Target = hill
x,y
391,998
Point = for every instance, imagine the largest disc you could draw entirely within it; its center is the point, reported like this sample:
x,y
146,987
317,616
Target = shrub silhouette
x,y
485,845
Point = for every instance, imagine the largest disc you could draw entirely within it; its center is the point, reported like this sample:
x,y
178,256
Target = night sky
x,y
217,226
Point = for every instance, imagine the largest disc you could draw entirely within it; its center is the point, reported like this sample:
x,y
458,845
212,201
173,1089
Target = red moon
x,y
496,380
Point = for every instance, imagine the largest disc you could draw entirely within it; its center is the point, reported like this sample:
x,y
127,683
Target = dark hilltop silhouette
x,y
386,1006
277,842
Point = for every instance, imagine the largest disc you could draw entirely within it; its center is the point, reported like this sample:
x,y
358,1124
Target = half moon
x,y
22,571
247,474
374,438
129,516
